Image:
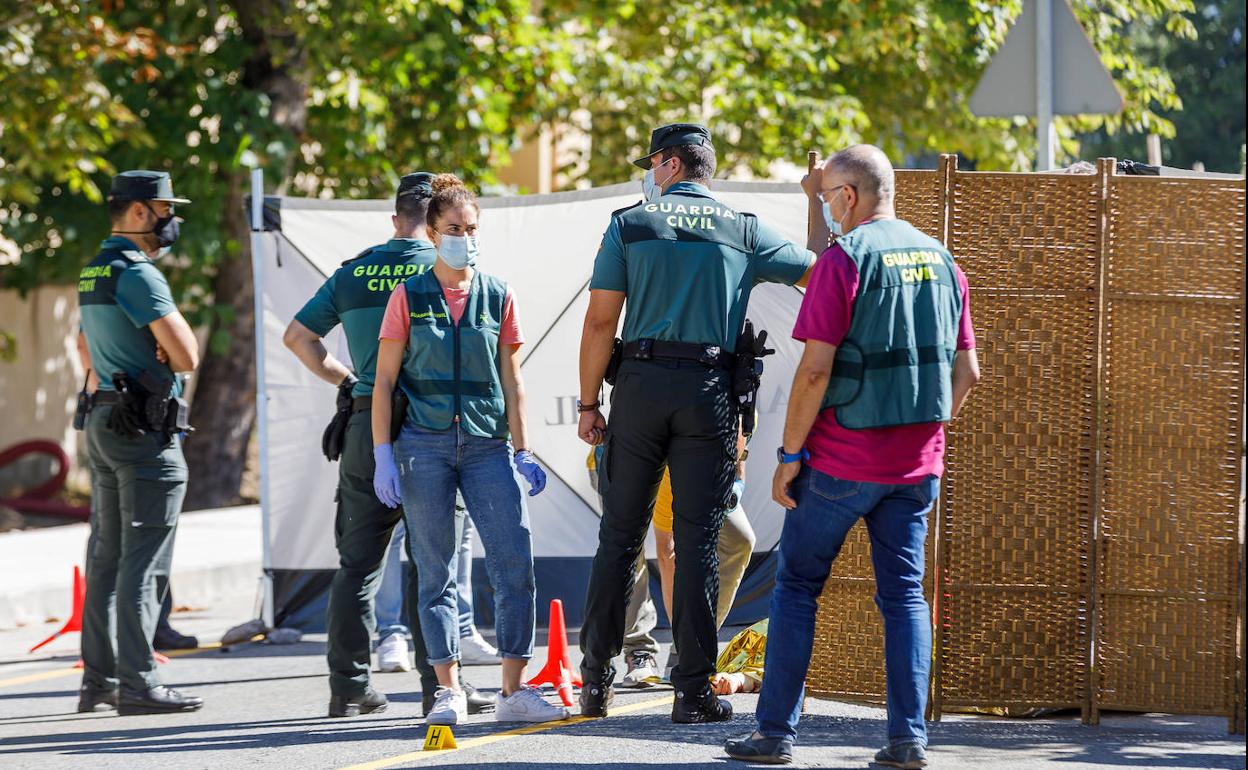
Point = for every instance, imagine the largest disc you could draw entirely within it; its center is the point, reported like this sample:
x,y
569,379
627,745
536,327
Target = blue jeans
x,y
896,519
463,580
432,465
389,601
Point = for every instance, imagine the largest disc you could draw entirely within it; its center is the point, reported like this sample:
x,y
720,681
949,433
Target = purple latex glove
x,y
526,463
386,476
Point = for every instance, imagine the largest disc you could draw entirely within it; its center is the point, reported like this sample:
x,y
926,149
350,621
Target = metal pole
x,y
1044,85
262,399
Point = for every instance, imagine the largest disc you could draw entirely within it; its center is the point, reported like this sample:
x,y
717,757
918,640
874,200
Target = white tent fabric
x,y
543,246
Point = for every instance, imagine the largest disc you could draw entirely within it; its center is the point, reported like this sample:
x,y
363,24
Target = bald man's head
x,y
866,167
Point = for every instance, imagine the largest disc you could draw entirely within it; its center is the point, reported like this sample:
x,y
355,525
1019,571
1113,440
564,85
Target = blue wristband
x,y
784,458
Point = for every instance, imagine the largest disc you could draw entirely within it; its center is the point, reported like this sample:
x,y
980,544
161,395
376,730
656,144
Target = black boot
x,y
156,700
168,639
354,705
596,698
690,708
91,698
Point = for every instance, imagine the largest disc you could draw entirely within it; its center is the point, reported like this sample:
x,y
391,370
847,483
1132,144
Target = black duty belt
x,y
707,355
361,403
102,397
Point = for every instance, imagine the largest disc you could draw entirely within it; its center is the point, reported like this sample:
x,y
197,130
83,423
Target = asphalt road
x,y
266,708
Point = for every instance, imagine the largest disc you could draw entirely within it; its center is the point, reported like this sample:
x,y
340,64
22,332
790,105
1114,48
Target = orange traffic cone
x,y
75,615
558,671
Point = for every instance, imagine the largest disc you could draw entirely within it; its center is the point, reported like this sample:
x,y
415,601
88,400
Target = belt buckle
x,y
645,350
710,355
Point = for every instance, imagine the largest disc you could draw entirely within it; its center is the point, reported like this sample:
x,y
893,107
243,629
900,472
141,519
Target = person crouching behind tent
x,y
450,340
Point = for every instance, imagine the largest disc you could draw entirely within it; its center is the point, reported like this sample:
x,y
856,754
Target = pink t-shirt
x,y
396,324
904,454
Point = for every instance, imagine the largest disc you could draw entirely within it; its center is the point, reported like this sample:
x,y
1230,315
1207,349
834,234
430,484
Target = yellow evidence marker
x,y
439,737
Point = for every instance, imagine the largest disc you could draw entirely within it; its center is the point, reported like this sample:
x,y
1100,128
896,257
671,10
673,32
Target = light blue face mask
x,y
650,188
458,251
833,225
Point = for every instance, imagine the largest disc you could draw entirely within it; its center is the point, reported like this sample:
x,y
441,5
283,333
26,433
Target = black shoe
x,y
908,756
354,705
691,709
426,702
596,698
91,698
168,639
477,702
156,700
763,751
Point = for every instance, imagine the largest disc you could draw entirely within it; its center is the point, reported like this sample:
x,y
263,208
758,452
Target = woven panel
x,y
1017,519
1168,547
920,200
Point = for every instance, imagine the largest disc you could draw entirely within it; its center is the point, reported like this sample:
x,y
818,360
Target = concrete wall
x,y
38,390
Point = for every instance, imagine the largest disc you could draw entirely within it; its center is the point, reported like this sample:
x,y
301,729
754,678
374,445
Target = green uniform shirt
x,y
688,263
356,295
120,292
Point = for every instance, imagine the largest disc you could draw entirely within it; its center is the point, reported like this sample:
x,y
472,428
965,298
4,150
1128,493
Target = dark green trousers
x,y
362,532
137,486
682,414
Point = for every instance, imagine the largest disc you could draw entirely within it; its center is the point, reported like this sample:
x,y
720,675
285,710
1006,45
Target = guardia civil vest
x,y
453,370
895,365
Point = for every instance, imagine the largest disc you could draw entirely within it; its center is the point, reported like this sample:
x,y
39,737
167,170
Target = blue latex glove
x,y
532,472
737,496
386,476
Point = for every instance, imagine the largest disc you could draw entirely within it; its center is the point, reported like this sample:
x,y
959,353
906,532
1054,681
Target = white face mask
x,y
458,251
650,189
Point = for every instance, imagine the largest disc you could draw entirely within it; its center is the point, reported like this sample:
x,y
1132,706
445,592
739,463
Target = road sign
x,y
1047,66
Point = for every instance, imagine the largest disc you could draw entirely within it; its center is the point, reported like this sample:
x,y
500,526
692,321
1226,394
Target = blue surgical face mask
x,y
458,251
833,225
650,189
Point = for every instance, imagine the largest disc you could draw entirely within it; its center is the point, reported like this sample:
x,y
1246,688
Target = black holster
x,y
398,412
147,405
335,435
747,373
613,365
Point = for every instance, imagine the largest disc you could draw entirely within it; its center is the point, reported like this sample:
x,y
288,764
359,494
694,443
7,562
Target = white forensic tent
x,y
544,247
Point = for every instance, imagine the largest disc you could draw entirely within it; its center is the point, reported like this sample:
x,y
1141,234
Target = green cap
x,y
675,135
143,185
419,184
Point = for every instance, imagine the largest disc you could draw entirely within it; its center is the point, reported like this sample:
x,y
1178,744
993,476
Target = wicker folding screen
x,y
1168,551
1109,314
1016,518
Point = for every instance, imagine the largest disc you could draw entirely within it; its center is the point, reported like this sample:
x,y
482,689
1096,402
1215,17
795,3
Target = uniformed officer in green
x,y
133,333
681,265
355,296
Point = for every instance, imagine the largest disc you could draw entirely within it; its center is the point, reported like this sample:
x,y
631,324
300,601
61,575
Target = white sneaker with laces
x,y
643,671
527,705
393,654
475,651
450,707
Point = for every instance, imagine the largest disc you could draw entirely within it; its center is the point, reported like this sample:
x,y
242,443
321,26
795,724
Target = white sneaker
x,y
475,651
450,707
393,654
527,705
643,670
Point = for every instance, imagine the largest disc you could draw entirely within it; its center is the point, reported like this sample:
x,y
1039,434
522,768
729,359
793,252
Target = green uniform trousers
x,y
362,532
137,486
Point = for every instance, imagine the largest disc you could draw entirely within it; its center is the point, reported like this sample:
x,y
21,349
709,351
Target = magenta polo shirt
x,y
904,454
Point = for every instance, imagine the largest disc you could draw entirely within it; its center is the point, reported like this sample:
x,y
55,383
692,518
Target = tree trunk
x,y
224,411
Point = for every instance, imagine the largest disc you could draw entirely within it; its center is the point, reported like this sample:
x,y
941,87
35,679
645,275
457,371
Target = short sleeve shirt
x,y
397,324
903,454
120,293
688,263
356,296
